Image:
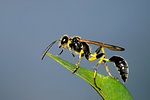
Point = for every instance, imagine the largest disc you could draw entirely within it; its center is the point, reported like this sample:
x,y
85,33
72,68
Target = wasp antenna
x,y
46,50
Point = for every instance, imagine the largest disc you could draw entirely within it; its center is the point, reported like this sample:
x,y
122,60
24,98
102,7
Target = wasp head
x,y
63,41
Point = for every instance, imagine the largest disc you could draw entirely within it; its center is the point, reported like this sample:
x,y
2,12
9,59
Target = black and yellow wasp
x,y
81,46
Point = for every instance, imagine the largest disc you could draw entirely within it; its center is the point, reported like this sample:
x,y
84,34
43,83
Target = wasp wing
x,y
111,47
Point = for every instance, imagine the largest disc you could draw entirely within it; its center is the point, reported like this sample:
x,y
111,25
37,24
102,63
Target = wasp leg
x,y
72,53
104,61
98,49
70,48
80,55
95,56
100,56
95,69
62,50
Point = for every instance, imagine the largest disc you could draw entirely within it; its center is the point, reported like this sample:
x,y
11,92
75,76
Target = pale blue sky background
x,y
27,27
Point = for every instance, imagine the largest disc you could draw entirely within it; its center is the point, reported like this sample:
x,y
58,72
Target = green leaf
x,y
111,89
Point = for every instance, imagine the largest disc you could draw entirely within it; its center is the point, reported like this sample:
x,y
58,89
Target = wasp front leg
x,y
64,46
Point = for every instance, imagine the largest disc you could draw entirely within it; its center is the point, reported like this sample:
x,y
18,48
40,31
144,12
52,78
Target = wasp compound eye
x,y
121,66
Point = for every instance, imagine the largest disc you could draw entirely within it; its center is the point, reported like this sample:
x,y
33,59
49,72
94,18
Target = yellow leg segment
x,y
95,68
101,59
92,58
81,52
108,70
62,50
64,47
80,55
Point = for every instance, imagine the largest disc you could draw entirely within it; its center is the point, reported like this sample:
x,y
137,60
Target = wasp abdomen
x,y
121,66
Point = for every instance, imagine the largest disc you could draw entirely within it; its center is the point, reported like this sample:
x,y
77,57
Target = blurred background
x,y
27,27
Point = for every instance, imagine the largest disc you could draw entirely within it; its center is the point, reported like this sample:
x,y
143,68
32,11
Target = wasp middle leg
x,y
80,55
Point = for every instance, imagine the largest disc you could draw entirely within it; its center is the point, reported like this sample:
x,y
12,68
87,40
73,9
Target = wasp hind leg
x,y
77,64
108,70
95,56
99,56
104,61
102,58
96,66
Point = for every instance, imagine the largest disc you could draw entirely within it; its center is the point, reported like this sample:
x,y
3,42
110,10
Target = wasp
x,y
81,47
